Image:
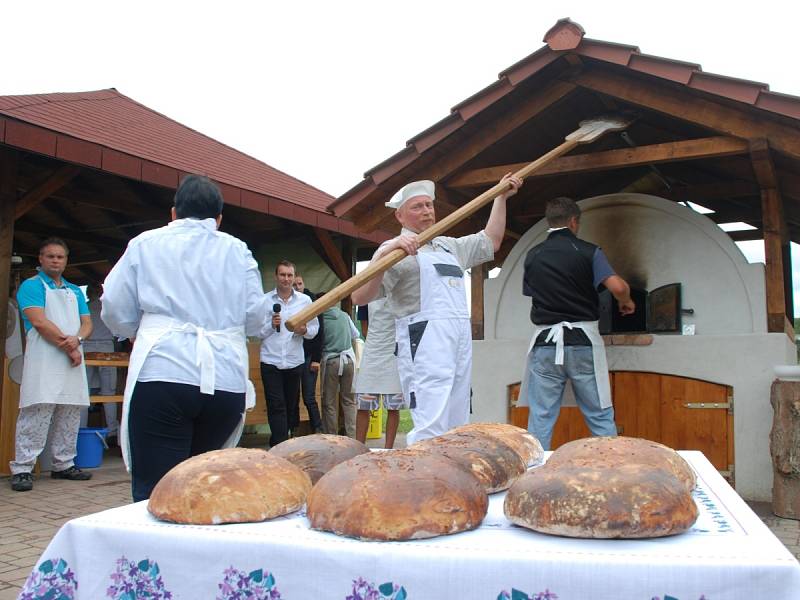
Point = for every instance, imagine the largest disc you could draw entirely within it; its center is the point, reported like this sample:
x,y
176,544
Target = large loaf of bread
x,y
236,485
491,460
628,501
397,495
617,451
521,440
611,487
319,453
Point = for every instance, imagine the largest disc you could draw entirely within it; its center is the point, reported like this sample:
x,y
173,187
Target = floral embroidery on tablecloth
x,y
668,597
364,590
515,594
51,580
133,580
256,585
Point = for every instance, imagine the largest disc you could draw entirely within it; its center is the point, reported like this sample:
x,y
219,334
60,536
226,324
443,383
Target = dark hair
x,y
198,198
54,241
285,263
560,210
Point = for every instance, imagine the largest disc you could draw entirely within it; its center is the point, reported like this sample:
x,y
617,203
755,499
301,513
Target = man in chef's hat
x,y
425,292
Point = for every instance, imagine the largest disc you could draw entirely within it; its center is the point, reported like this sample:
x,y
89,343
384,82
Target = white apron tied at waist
x,y
556,335
151,329
347,356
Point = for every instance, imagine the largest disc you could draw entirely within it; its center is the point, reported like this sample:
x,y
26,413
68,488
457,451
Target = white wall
x,y
650,242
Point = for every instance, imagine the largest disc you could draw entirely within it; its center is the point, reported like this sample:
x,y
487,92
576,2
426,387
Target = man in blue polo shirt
x,y
56,319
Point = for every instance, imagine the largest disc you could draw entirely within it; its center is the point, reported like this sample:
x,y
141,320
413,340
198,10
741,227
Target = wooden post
x,y
788,286
477,318
347,256
772,213
8,195
776,238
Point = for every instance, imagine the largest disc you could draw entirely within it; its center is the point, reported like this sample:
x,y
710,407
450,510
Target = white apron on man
x,y
151,329
434,356
51,390
556,335
377,371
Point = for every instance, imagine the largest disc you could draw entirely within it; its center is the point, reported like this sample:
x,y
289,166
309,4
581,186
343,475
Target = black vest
x,y
559,278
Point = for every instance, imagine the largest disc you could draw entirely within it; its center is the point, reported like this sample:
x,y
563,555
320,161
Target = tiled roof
x,y
564,37
107,130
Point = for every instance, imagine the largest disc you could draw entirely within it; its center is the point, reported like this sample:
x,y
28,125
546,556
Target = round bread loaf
x,y
521,440
617,451
318,453
235,485
629,501
397,495
491,460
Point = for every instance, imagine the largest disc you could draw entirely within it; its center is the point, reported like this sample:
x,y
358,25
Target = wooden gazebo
x,y
730,145
98,168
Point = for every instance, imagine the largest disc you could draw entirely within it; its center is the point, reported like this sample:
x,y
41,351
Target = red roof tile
x,y
140,143
567,36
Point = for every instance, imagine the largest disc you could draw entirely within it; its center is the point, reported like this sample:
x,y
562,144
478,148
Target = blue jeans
x,y
546,389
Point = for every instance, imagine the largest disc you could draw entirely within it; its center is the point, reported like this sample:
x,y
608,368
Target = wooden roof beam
x,y
746,235
722,190
710,147
333,254
686,106
477,143
70,235
45,188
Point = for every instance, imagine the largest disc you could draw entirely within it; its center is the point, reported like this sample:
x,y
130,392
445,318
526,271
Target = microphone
x,y
276,308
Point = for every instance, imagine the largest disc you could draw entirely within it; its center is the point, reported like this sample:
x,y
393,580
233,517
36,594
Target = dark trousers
x,y
281,387
170,422
308,384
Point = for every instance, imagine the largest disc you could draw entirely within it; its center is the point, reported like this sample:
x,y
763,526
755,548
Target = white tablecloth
x,y
729,554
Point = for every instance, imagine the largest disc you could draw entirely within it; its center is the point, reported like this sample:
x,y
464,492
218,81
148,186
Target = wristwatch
x,y
80,340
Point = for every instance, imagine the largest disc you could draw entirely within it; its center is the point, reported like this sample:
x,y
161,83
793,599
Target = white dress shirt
x,y
195,274
284,349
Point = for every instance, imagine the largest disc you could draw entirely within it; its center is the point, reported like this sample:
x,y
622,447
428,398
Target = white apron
x,y
48,376
556,334
151,329
434,348
377,371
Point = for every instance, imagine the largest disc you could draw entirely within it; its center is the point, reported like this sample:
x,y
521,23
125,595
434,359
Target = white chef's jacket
x,y
283,349
192,273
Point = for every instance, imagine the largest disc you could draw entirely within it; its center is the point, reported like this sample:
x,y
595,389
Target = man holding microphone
x,y
282,356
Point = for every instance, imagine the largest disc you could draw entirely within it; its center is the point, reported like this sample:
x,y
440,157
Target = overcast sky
x,y
324,90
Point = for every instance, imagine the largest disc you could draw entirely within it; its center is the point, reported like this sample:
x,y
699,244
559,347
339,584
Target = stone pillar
x,y
784,446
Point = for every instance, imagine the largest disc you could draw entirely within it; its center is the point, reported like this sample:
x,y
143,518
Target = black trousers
x,y
281,389
170,422
308,385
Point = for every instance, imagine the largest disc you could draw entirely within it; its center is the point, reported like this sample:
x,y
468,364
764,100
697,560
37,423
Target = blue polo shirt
x,y
31,294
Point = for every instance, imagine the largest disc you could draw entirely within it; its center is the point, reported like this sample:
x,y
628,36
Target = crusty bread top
x,y
521,440
235,485
491,460
318,453
625,501
397,495
617,451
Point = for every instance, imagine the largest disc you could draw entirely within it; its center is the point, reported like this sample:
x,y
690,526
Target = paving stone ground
x,y
29,520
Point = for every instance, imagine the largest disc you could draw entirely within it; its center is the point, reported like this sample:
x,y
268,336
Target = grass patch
x,y
406,424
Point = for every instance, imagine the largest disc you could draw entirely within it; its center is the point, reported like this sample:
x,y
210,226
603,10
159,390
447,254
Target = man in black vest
x,y
562,276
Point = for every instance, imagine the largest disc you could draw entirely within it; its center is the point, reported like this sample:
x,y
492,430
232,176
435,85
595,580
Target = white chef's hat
x,y
411,190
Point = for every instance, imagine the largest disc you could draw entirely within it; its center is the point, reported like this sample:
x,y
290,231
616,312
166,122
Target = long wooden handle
x,y
588,132
384,263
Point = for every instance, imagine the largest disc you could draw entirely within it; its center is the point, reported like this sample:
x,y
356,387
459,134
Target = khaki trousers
x,y
335,386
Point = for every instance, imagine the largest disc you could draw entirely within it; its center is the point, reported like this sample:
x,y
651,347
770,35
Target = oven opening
x,y
657,311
